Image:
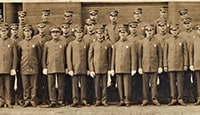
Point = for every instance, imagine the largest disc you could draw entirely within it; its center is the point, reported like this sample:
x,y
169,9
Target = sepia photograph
x,y
99,57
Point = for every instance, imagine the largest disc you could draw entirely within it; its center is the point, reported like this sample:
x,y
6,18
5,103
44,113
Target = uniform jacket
x,y
42,39
29,56
90,37
175,54
194,52
124,58
77,57
150,55
111,32
20,30
8,55
54,56
16,39
100,57
67,39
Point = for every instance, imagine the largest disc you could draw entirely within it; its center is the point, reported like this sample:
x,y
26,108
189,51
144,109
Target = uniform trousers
x,y
176,77
52,89
75,87
29,83
100,84
5,92
152,78
124,86
197,75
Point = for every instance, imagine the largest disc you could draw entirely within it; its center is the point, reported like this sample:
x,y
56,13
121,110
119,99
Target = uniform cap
x,y
3,26
22,13
68,13
133,24
137,11
46,12
55,29
90,21
65,25
99,29
27,27
41,25
77,29
187,20
183,11
114,13
149,27
164,9
122,28
93,12
14,26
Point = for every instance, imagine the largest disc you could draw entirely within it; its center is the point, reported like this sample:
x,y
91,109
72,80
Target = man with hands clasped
x,y
8,65
124,62
99,65
150,63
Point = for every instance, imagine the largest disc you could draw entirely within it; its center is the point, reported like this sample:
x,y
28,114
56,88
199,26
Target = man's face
x,y
65,30
27,33
93,17
162,27
41,30
45,17
99,35
123,34
55,34
4,33
149,32
90,27
14,31
21,19
187,25
79,35
137,15
68,18
163,14
113,18
132,29
174,31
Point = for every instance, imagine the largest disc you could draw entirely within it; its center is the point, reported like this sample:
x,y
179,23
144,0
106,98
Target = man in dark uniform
x,y
22,21
29,57
189,80
194,53
67,37
163,80
150,64
68,15
124,65
77,63
111,34
175,63
42,89
99,64
14,87
54,66
8,66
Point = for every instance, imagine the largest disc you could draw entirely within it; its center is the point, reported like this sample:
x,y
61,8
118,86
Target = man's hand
x,y
45,71
71,73
12,72
160,70
92,74
140,71
88,72
192,68
185,68
133,72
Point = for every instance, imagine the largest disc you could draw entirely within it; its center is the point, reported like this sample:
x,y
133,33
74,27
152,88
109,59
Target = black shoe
x,y
181,102
84,102
98,103
155,102
33,104
144,102
52,104
26,104
173,102
61,103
